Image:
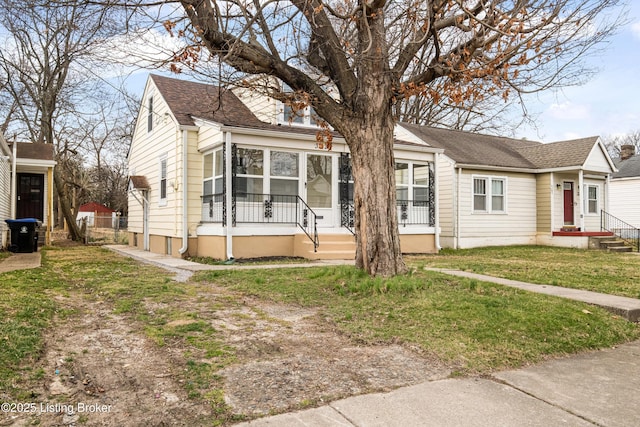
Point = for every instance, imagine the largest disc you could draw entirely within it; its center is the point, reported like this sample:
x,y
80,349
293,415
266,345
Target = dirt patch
x,y
286,358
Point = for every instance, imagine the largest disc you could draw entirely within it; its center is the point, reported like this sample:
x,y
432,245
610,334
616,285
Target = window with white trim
x,y
150,114
163,180
592,200
489,194
412,182
284,173
212,173
249,172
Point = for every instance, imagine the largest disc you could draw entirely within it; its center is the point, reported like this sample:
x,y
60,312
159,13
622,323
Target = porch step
x,y
609,244
331,247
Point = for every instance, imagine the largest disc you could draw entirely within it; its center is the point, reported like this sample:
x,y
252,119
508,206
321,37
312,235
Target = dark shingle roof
x,y
628,168
473,148
559,154
34,150
188,100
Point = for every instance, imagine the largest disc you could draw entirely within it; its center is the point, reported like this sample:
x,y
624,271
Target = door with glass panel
x,y
319,187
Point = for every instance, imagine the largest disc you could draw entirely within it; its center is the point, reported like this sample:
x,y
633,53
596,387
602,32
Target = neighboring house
x,y
5,190
30,185
502,191
221,174
625,187
97,215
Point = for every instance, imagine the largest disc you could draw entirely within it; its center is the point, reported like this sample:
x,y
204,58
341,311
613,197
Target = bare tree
x,y
615,143
44,42
357,61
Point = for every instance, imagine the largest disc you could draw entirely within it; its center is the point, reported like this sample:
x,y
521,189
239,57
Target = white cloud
x,y
568,111
635,29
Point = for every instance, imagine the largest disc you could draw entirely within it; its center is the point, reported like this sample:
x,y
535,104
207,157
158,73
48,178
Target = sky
x,y
608,105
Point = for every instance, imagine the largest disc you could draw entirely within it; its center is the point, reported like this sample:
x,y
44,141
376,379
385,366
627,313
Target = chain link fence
x,y
104,229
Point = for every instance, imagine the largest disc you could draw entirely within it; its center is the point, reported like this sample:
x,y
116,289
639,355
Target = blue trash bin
x,y
24,236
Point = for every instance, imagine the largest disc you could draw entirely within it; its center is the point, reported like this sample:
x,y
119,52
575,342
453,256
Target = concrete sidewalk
x,y
629,308
20,261
594,389
598,388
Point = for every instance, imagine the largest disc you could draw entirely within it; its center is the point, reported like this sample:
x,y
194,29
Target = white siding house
x,y
624,202
228,174
6,158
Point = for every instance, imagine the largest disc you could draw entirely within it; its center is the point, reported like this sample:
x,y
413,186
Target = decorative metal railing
x,y
263,209
626,232
414,212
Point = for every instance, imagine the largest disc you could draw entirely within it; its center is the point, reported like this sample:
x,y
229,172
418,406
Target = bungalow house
x,y
234,174
222,175
502,191
26,185
625,187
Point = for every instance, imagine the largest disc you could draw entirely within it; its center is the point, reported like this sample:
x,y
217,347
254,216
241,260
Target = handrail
x,y
306,220
623,230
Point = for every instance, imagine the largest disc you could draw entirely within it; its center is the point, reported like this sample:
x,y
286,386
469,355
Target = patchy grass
x,y
599,271
28,307
475,326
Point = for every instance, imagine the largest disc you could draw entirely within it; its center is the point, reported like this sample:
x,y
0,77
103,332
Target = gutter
x,y
436,202
14,180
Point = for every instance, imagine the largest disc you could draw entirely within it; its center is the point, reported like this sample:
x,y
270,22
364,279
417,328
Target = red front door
x,y
568,203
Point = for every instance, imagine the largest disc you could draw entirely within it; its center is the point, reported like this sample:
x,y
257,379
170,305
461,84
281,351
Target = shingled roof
x,y
473,148
559,154
629,168
34,151
188,100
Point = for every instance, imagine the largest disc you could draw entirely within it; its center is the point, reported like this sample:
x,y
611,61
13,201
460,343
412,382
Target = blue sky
x,y
609,104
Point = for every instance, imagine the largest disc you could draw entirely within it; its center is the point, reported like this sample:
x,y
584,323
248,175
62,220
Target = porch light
x,y
559,186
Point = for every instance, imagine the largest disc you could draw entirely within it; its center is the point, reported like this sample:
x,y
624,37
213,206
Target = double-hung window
x,y
489,194
592,199
163,180
285,173
249,172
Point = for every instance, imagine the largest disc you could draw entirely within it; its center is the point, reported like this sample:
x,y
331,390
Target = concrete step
x,y
620,249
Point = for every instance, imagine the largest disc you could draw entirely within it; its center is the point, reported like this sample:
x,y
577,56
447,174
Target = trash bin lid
x,y
22,221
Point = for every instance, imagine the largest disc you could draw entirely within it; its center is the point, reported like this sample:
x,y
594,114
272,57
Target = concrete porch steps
x,y
609,243
331,247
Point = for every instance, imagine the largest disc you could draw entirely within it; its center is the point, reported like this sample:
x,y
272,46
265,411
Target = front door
x,y
319,187
30,203
568,203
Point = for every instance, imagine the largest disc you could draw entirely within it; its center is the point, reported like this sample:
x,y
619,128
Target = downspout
x,y
436,200
228,194
14,180
185,201
456,207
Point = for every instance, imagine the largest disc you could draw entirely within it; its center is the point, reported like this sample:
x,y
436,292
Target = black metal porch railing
x,y
415,212
626,232
252,208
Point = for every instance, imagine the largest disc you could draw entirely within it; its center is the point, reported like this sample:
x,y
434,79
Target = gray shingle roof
x,y
559,154
487,150
627,168
473,148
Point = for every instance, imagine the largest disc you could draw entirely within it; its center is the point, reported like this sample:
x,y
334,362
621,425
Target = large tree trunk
x,y
63,203
377,236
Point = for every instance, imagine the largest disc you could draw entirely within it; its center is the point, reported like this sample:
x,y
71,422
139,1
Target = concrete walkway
x,y
19,261
629,308
598,388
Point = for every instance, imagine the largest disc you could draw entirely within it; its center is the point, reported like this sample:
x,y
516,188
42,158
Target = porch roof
x,y
559,154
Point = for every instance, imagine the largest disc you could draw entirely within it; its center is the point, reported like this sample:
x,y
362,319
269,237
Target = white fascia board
x,y
35,163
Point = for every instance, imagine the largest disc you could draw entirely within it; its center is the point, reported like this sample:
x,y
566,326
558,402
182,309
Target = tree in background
x,y
614,143
46,44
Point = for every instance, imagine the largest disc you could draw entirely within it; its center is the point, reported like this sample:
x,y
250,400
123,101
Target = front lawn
x,y
474,326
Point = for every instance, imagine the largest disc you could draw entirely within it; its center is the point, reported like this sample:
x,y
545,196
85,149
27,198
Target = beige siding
x,y
516,226
262,106
624,201
446,194
543,202
147,149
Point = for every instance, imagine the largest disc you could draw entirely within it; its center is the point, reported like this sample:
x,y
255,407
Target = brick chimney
x,y
627,151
